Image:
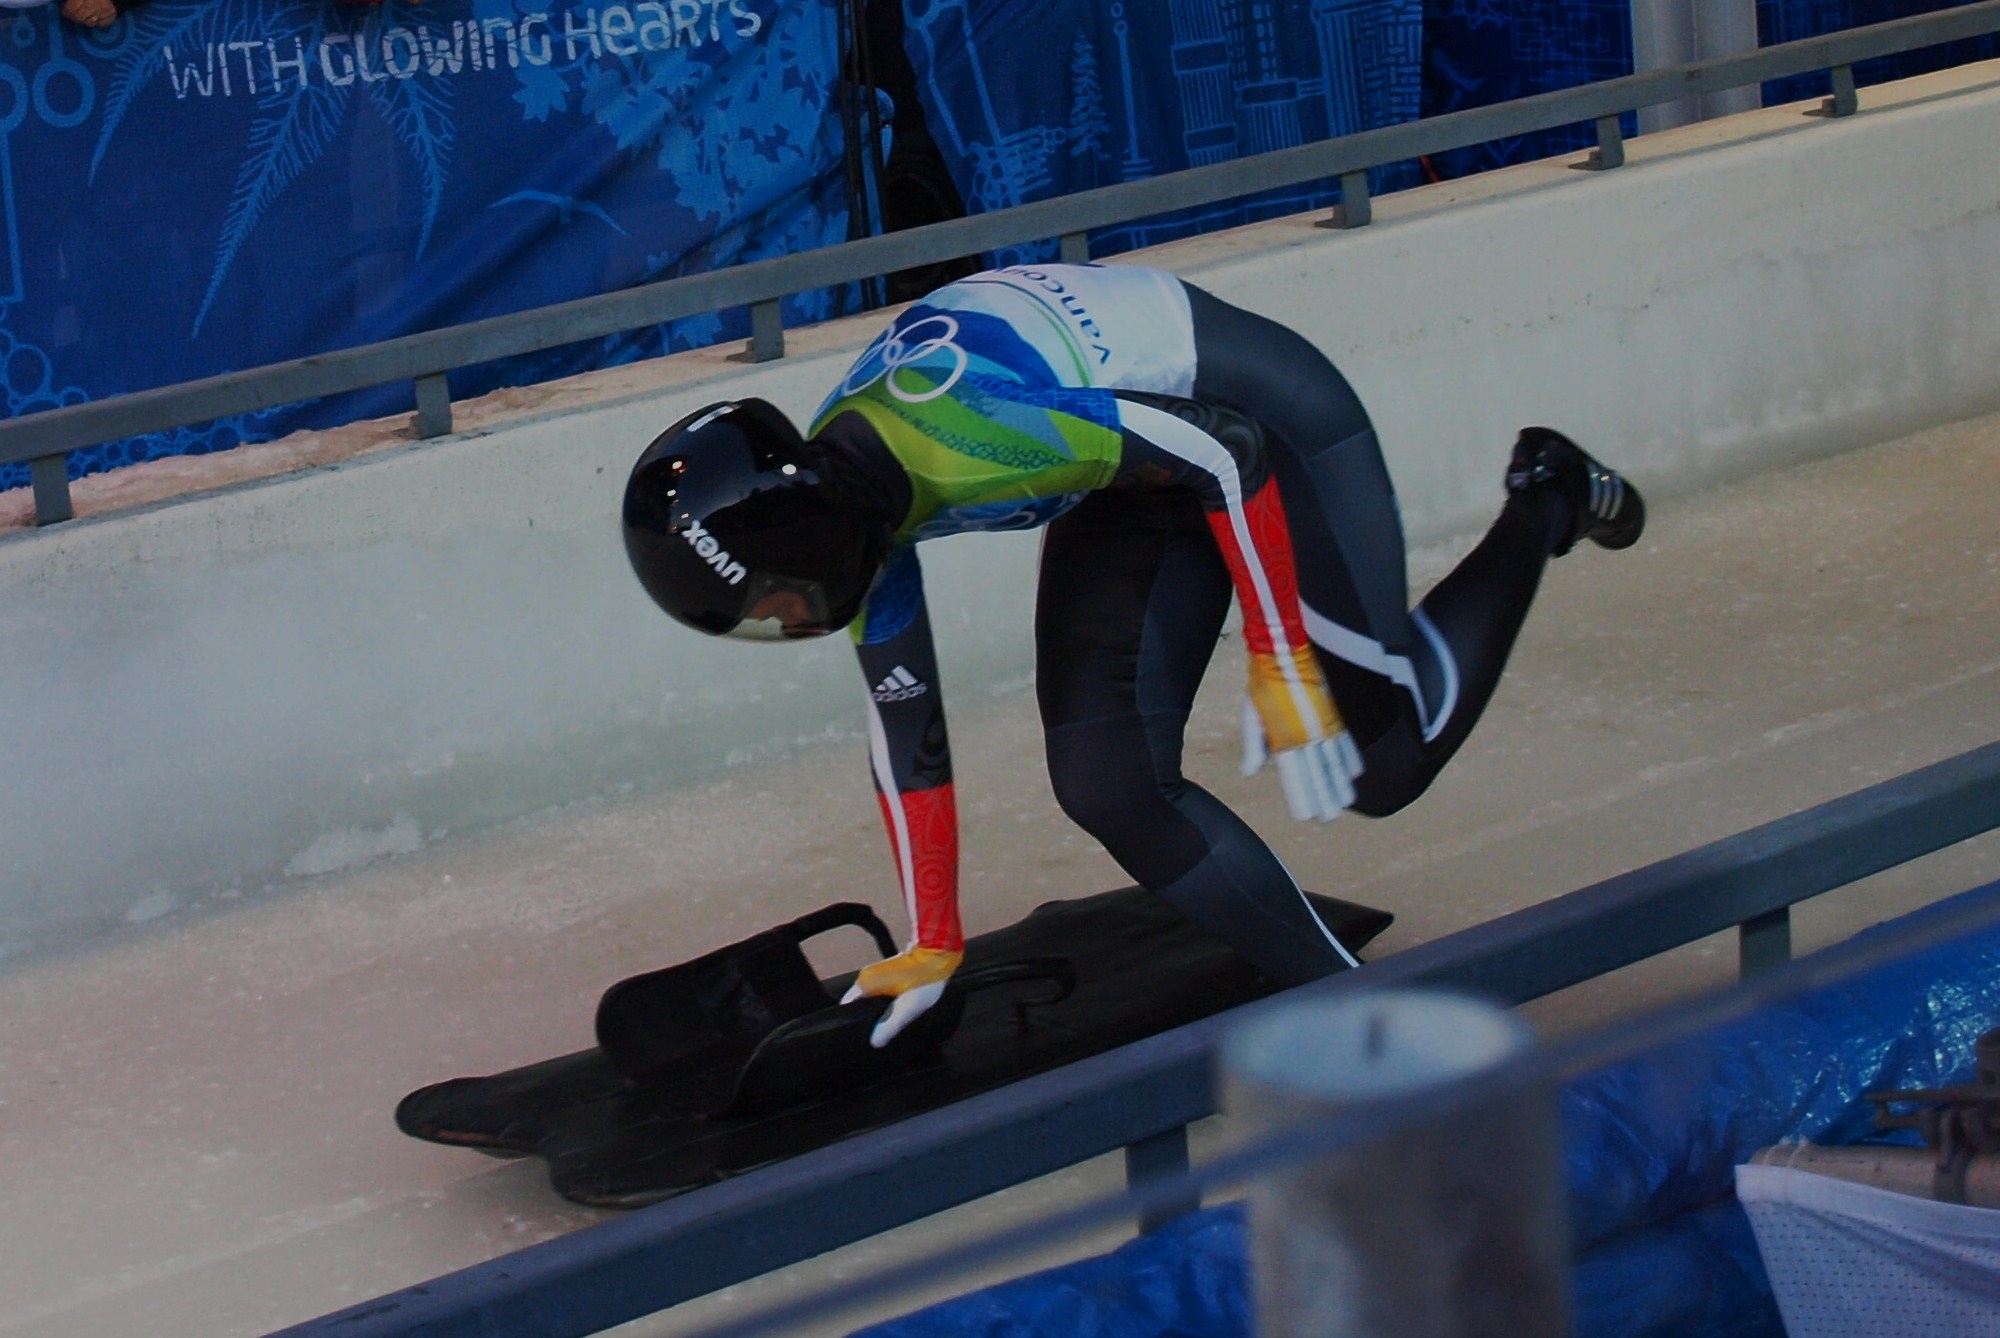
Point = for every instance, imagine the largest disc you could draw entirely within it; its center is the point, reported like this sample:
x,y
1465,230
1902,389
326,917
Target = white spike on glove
x,y
915,979
1317,776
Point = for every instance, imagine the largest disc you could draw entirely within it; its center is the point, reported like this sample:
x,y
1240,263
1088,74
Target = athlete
x,y
1180,450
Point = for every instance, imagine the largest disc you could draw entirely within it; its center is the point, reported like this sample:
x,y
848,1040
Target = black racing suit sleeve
x,y
910,754
902,681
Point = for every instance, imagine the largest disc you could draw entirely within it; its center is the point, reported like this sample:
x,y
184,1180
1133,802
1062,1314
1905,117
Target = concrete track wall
x,y
278,679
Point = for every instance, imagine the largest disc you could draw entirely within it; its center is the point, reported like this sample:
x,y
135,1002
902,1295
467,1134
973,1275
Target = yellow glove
x,y
1290,695
915,979
1289,715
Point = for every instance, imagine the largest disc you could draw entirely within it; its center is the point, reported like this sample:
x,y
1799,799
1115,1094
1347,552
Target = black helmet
x,y
729,510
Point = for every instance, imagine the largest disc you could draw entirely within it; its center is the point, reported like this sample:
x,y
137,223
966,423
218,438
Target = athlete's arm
x,y
1220,455
910,757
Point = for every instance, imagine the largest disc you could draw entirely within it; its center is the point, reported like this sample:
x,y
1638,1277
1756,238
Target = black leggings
x,y
1132,597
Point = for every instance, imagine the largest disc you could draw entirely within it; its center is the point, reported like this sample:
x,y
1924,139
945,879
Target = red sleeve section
x,y
1263,517
931,817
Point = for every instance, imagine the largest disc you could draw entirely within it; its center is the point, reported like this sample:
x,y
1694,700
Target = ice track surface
x,y
195,1114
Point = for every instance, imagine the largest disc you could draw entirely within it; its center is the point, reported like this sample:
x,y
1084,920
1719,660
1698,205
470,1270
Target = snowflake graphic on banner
x,y
395,56
716,149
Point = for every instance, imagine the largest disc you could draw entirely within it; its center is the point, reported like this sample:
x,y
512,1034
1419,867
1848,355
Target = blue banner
x,y
1033,98
1794,20
211,185
1481,52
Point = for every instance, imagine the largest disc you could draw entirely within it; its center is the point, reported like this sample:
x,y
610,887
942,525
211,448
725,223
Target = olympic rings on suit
x,y
896,350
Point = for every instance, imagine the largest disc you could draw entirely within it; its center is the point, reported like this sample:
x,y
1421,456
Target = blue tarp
x,y
1662,1248
1481,52
217,184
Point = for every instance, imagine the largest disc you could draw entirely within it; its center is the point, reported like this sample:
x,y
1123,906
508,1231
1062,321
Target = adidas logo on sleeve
x,y
899,686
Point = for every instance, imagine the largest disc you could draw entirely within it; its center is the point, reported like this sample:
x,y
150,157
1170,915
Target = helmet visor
x,y
784,608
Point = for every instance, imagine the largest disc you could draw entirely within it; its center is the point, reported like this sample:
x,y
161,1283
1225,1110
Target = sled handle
x,y
1057,971
840,915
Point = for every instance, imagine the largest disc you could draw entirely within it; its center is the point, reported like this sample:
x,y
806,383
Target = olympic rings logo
x,y
82,98
918,342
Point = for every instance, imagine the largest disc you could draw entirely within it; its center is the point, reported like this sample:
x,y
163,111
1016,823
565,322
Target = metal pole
x,y
49,475
1911,1171
1666,33
433,406
1355,210
1452,1227
1764,942
1610,150
767,333
1160,1157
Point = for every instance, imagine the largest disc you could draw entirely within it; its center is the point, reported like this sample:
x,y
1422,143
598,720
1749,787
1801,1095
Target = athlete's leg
x,y
1410,685
1475,612
1132,598
1340,507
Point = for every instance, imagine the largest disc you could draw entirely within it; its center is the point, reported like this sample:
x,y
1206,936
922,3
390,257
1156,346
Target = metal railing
x,y
1376,1124
43,439
1142,1097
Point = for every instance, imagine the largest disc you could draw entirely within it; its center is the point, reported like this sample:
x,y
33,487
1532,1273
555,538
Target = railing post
x,y
433,406
1074,248
1354,209
1610,150
1452,1223
1764,942
49,474
1843,102
767,331
1160,1157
